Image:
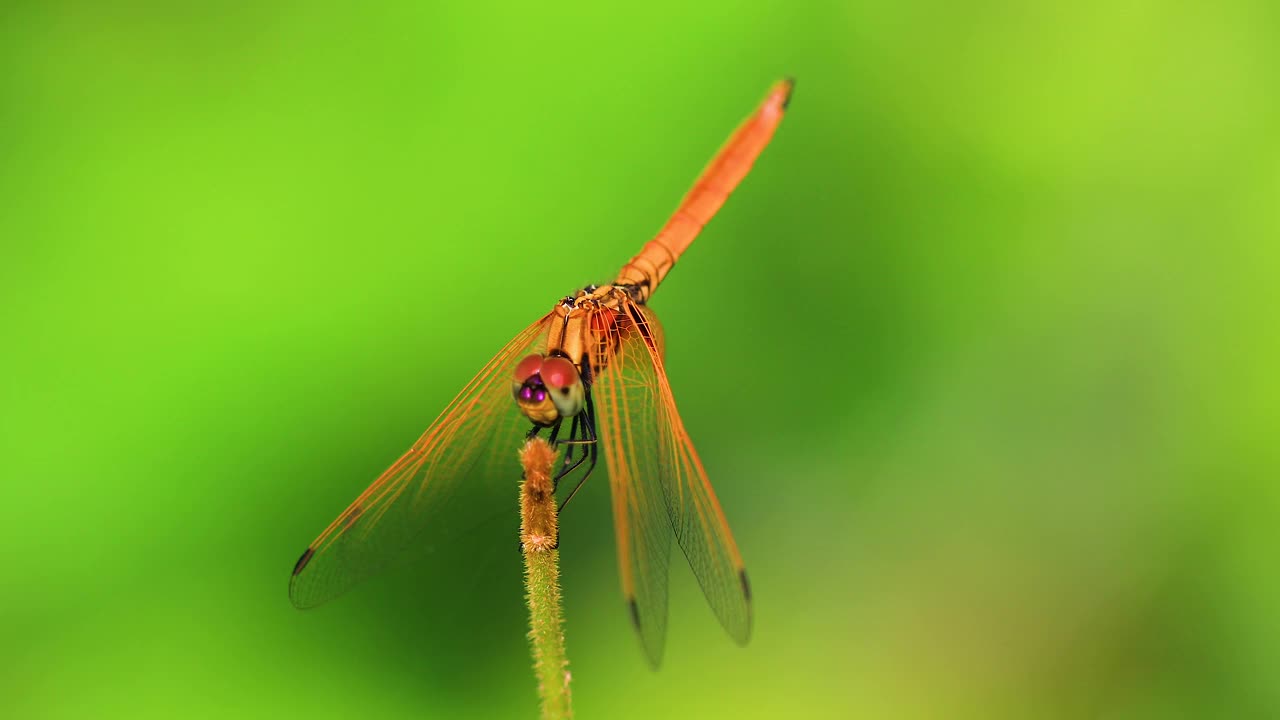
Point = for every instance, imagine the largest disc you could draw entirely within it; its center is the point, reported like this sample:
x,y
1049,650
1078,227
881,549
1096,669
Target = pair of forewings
x,y
657,481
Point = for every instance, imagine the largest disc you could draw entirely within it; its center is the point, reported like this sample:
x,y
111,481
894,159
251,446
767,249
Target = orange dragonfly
x,y
595,360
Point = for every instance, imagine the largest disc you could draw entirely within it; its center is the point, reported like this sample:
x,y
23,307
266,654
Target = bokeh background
x,y
981,358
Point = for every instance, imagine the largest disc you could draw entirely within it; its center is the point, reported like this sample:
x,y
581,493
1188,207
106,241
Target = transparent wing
x,y
443,482
659,485
626,406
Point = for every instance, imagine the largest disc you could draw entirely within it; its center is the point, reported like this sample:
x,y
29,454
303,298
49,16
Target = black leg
x,y
568,453
555,430
570,468
579,434
589,436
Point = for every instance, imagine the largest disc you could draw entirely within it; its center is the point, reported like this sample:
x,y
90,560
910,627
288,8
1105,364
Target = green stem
x,y
538,535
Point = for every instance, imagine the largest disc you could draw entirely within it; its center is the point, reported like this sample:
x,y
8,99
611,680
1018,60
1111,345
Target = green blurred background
x,y
981,358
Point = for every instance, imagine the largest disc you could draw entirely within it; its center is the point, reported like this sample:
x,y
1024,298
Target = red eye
x,y
528,367
558,372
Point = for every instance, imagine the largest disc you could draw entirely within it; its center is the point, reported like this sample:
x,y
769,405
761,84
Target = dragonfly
x,y
590,374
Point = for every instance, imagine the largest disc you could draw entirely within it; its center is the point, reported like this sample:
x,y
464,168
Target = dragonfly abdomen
x,y
647,269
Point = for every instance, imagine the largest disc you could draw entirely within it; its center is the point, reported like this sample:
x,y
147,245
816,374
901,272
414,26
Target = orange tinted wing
x,y
626,405
659,485
471,446
708,194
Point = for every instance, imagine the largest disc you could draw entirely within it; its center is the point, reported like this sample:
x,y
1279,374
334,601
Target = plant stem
x,y
539,536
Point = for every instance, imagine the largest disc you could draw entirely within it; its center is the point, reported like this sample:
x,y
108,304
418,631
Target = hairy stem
x,y
539,535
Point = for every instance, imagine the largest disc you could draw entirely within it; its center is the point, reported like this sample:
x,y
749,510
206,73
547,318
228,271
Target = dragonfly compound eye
x,y
527,368
562,381
531,394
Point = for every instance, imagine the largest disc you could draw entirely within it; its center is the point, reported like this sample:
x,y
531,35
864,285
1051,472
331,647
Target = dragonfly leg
x,y
568,453
555,430
589,437
572,441
570,468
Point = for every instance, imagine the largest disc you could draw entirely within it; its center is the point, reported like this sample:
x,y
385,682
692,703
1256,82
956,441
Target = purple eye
x,y
532,395
529,393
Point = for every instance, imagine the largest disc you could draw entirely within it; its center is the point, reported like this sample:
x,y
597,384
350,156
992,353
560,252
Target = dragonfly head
x,y
547,388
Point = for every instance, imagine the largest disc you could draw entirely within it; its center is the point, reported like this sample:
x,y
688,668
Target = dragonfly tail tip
x,y
790,84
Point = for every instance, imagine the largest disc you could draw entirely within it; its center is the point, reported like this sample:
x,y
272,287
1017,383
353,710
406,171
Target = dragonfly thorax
x,y
610,296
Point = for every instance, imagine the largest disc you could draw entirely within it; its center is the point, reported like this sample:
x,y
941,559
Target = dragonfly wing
x,y
626,403
659,485
471,446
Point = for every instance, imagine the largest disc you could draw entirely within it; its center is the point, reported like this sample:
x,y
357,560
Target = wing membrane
x,y
659,486
469,450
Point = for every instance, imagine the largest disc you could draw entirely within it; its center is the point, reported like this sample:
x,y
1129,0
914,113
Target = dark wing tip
x,y
302,561
742,634
635,612
652,646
